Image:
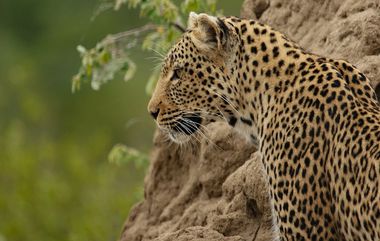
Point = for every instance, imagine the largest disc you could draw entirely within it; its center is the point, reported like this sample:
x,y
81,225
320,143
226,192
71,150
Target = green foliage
x,y
123,155
111,55
107,58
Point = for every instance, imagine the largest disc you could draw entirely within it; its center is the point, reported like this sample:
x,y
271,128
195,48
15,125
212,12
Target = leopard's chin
x,y
189,127
183,129
178,137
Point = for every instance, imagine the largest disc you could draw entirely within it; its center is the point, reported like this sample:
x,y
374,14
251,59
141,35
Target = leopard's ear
x,y
192,22
209,31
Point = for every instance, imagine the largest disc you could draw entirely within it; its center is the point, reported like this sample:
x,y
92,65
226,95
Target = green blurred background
x,y
55,180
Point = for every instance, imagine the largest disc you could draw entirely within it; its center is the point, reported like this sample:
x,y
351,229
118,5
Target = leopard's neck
x,y
264,70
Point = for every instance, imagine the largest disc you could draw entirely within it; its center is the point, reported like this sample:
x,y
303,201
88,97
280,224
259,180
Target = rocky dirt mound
x,y
206,191
216,190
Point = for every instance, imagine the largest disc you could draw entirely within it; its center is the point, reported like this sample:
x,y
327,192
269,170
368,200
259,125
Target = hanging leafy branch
x,y
110,56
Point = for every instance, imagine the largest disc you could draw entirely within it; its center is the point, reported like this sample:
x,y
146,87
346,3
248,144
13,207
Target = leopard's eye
x,y
176,74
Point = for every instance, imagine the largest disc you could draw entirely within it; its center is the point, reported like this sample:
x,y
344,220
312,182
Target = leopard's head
x,y
194,85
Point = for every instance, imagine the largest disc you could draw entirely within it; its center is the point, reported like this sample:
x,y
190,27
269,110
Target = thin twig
x,y
136,31
178,27
112,38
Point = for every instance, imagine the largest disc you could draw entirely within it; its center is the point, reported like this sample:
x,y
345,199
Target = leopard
x,y
315,120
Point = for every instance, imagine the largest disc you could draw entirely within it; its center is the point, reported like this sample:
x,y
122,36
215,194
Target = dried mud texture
x,y
216,190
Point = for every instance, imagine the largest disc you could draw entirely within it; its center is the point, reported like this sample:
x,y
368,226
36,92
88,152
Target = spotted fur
x,y
316,120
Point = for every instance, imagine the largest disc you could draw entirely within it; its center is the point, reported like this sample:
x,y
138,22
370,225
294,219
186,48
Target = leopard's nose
x,y
155,113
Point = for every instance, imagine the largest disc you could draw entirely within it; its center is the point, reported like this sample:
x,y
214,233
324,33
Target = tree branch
x,y
136,31
178,27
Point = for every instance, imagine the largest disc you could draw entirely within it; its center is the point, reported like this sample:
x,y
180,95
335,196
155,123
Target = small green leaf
x,y
122,154
130,72
81,49
88,69
75,84
152,81
105,57
190,5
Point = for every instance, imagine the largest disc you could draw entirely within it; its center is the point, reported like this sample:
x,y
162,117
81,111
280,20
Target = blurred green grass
x,y
55,181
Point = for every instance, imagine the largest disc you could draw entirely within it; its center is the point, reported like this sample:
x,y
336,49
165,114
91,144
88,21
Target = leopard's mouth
x,y
183,128
187,124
